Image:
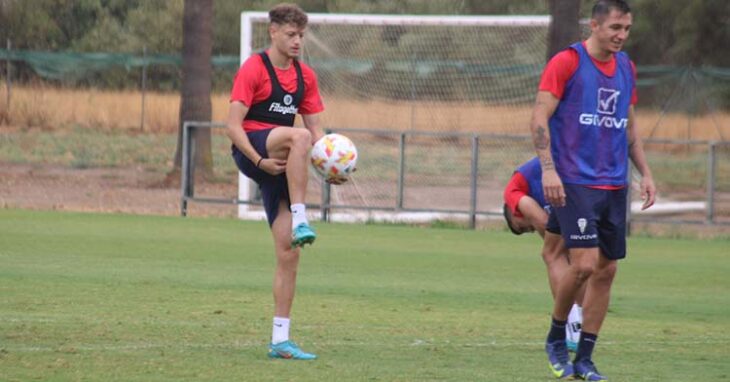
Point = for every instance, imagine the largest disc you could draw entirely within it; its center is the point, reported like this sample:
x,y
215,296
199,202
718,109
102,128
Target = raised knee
x,y
301,137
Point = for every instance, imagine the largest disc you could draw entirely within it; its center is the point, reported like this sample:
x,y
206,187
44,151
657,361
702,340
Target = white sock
x,y
298,215
281,330
575,322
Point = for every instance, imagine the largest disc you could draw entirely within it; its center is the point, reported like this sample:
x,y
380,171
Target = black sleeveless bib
x,y
281,107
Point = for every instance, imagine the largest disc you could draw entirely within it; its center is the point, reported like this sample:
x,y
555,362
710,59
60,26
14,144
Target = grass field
x,y
131,298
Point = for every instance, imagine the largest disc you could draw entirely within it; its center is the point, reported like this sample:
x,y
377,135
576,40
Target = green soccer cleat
x,y
302,234
289,350
559,360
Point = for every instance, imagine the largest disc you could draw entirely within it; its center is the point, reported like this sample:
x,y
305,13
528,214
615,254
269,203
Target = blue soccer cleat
x,y
559,360
586,370
302,234
289,350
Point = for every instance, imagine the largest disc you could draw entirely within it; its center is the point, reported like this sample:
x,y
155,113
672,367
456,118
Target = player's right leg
x,y
285,277
293,144
583,261
577,222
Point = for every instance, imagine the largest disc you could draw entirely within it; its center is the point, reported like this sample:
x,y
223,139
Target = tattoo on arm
x,y
541,141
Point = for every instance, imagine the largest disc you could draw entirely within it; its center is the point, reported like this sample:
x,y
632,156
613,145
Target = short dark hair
x,y
603,8
287,13
508,218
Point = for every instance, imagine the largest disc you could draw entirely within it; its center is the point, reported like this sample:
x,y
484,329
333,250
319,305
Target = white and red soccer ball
x,y
334,156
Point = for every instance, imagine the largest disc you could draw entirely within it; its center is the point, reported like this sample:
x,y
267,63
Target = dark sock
x,y
585,346
557,330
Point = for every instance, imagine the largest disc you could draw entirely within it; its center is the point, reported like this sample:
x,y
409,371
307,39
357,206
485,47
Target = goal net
x,y
412,92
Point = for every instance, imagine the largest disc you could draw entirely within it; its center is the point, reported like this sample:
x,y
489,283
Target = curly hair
x,y
287,13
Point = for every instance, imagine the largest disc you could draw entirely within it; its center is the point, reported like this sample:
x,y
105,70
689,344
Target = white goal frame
x,y
246,188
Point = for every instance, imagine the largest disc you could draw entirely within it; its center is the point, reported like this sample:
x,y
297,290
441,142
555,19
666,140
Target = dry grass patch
x,y
56,108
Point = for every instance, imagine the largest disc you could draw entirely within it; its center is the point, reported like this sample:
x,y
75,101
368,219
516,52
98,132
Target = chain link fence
x,y
427,176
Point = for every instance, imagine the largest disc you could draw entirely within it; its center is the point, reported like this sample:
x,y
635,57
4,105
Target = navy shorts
x,y
274,188
592,218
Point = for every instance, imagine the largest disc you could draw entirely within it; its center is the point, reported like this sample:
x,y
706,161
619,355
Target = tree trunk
x,y
564,28
195,104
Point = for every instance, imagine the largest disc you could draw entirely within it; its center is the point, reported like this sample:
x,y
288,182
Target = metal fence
x,y
461,176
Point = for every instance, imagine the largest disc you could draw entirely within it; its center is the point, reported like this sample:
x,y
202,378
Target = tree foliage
x,y
690,32
695,32
565,27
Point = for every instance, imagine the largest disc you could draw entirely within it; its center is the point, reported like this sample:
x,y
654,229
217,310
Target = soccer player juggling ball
x,y
270,88
584,131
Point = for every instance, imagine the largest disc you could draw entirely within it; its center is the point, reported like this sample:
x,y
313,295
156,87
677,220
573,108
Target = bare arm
x,y
236,112
311,122
636,152
534,213
544,108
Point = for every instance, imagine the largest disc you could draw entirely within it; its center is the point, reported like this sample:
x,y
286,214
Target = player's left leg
x,y
292,144
285,277
598,295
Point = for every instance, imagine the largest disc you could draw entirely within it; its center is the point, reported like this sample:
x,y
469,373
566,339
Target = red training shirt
x,y
563,65
253,85
560,69
516,188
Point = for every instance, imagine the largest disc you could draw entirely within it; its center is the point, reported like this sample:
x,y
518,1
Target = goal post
x,y
437,74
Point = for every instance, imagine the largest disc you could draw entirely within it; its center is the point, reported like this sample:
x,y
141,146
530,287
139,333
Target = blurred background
x,y
94,93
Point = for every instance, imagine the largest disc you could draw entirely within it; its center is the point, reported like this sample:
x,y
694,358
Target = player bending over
x,y
526,210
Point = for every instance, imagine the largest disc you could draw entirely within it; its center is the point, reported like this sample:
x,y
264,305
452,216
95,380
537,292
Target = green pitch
x,y
132,298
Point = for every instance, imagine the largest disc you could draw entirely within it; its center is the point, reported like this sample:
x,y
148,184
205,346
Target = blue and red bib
x,y
588,129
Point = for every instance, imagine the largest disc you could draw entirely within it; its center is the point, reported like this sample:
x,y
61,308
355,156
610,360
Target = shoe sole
x,y
585,378
561,375
302,241
276,355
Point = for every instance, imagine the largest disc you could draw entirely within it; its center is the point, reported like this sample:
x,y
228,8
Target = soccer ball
x,y
334,157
